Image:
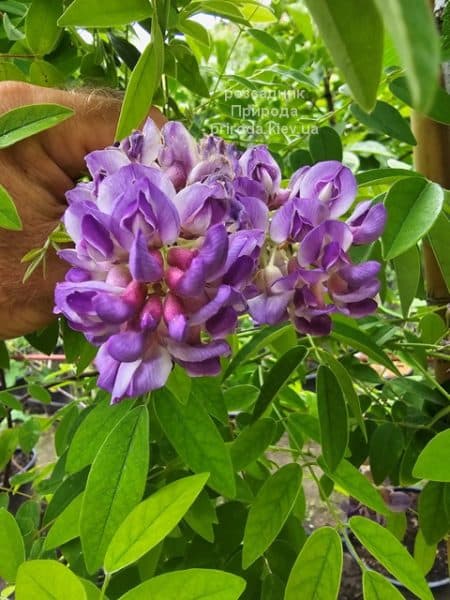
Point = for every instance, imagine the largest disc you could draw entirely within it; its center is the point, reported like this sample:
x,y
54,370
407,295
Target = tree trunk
x,y
432,159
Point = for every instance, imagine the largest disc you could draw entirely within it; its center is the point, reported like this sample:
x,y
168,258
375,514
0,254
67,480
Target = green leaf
x,y
385,119
432,328
192,584
196,31
351,480
269,512
347,388
438,238
9,217
12,549
408,270
266,40
415,37
354,38
382,176
10,401
115,484
66,527
67,491
261,339
325,145
8,444
386,446
256,13
251,443
14,8
347,332
201,516
45,339
39,393
4,356
316,574
151,521
277,377
240,397
434,500
376,587
12,33
91,590
25,121
332,417
413,205
196,439
143,83
424,554
92,432
41,28
47,579
440,107
391,553
104,13
433,462
188,71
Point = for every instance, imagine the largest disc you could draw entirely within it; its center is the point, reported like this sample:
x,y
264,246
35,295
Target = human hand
x,y
37,172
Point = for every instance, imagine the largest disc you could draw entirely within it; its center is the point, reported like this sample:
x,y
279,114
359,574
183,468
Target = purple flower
x,y
258,164
179,153
367,222
202,205
171,247
327,181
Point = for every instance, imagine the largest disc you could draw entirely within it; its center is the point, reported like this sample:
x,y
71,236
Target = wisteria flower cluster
x,y
174,240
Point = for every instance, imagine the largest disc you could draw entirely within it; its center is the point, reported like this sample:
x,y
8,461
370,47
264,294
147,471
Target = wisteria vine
x,y
174,240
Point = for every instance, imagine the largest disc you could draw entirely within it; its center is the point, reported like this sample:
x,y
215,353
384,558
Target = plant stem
x,y
105,585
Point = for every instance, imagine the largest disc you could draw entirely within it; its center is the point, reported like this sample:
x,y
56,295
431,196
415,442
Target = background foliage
x,y
185,492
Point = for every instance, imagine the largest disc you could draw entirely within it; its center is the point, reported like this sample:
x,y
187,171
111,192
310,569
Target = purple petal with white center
x,y
201,205
331,183
179,150
258,164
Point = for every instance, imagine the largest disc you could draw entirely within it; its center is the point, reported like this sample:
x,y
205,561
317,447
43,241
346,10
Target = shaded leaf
x,y
268,513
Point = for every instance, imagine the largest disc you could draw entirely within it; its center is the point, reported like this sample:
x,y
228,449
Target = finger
x,y
92,128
